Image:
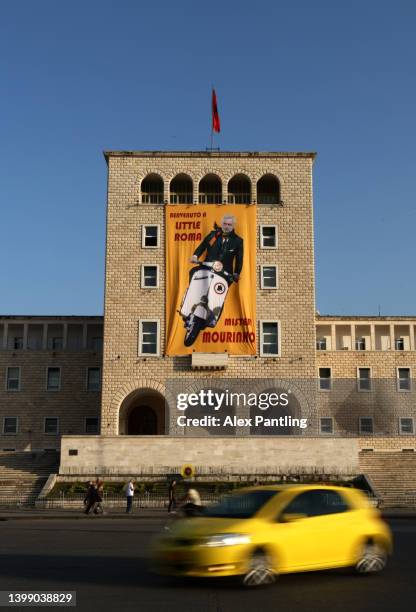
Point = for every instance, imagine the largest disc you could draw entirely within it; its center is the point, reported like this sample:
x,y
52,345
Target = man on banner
x,y
224,245
204,299
211,279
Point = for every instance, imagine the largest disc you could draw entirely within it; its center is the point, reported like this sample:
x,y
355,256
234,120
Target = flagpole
x,y
212,122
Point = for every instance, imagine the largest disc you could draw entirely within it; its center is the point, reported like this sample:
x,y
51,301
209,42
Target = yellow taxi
x,y
260,532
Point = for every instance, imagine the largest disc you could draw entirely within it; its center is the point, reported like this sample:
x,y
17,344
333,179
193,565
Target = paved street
x,y
104,560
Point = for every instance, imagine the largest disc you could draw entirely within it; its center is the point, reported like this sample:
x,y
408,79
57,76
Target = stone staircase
x,y
393,475
23,474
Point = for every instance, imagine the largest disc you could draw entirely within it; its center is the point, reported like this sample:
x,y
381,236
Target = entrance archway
x,y
142,421
142,413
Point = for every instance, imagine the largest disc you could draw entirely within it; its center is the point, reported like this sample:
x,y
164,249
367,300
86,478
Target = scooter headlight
x,y
217,266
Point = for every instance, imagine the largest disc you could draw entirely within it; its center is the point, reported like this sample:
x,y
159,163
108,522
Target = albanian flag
x,y
215,116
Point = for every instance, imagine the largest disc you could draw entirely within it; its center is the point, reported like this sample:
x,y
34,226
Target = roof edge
x,y
213,154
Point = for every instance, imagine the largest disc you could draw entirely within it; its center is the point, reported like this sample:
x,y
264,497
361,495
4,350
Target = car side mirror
x,y
289,518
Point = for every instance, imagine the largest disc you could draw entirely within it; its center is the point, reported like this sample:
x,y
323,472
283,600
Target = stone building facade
x,y
352,376
365,369
139,184
51,370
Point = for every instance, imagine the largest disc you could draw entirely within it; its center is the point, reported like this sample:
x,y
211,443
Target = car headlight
x,y
226,539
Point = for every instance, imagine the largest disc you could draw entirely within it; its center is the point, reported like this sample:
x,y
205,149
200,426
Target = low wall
x,y
87,455
385,444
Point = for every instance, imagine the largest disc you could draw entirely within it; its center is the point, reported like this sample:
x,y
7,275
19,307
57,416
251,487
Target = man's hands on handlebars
x,y
194,259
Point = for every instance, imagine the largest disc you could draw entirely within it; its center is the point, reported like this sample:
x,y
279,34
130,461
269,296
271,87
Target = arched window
x,y
210,190
268,190
239,190
152,189
181,190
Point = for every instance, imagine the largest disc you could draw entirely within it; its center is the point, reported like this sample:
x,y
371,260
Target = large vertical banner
x,y
211,279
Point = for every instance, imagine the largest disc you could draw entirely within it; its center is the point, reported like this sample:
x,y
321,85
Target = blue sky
x,y
333,77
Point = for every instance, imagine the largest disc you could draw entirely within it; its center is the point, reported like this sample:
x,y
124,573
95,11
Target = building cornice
x,y
211,154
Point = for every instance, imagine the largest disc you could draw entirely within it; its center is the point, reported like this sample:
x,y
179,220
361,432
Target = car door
x,y
311,530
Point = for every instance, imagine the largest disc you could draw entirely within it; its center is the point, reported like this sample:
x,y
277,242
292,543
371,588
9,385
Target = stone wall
x,y
106,455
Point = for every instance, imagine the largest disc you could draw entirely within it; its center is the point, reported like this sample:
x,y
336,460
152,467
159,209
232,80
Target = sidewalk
x,y
7,514
160,514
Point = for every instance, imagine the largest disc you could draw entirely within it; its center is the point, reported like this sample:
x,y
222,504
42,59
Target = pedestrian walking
x,y
172,496
99,488
90,497
129,489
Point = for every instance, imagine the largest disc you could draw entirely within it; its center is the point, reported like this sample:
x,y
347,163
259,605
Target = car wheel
x,y
259,572
373,559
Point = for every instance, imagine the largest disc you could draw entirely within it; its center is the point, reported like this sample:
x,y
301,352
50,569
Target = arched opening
x,y
181,190
210,190
142,421
239,190
142,413
268,190
152,189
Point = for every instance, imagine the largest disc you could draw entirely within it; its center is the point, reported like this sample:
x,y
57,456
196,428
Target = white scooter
x,y
204,299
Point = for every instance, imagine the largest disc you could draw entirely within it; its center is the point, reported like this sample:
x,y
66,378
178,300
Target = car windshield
x,y
243,505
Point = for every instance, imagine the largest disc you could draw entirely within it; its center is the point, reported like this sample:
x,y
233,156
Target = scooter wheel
x,y
192,333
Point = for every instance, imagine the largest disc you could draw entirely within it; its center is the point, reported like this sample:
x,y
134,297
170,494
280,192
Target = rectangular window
x,y
13,379
406,426
57,344
10,426
268,277
149,337
360,344
150,277
268,236
366,425
364,379
53,382
321,344
325,379
91,425
399,344
403,379
326,425
94,379
150,236
51,425
269,338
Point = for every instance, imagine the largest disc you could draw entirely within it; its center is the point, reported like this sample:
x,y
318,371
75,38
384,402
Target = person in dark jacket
x,y
224,245
99,494
90,497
